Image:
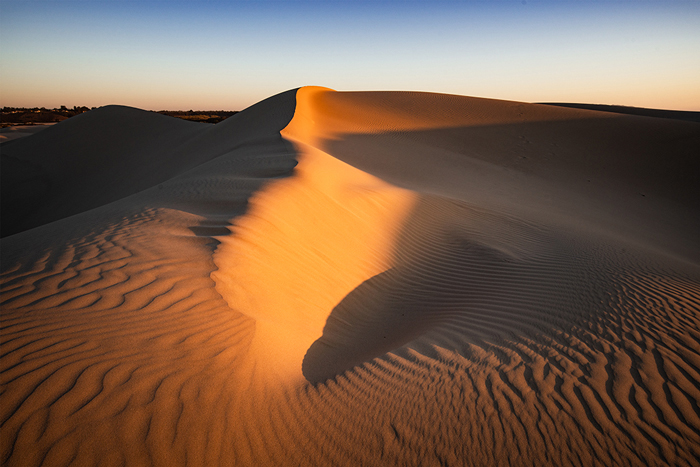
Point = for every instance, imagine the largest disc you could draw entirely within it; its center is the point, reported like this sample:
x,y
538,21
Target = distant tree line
x,y
31,115
63,108
206,116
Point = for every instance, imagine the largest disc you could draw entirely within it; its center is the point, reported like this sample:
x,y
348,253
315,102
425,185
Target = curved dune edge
x,y
437,326
305,243
541,328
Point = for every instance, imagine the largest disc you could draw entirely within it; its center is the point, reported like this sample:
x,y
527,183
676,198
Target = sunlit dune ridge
x,y
365,278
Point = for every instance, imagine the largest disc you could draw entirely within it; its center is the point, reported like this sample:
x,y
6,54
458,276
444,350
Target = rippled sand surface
x,y
361,278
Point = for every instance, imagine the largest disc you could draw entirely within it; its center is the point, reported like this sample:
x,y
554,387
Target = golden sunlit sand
x,y
353,278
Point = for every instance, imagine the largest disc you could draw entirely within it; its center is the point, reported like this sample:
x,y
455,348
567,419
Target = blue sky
x,y
229,55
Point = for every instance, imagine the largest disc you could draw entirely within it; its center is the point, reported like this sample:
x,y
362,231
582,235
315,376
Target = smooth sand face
x,y
362,279
20,131
333,228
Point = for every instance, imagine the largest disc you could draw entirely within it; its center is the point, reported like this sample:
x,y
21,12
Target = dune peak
x,y
352,278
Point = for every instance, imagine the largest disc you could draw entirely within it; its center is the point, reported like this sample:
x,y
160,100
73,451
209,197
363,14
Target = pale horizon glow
x,y
211,55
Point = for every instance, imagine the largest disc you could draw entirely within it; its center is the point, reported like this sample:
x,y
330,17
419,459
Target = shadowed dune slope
x,y
689,116
634,176
106,154
20,131
375,278
86,162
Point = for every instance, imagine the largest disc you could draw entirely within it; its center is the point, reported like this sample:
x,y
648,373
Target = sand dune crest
x,y
360,279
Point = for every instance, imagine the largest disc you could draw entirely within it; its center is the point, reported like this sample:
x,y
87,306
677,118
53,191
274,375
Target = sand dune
x,y
375,278
20,131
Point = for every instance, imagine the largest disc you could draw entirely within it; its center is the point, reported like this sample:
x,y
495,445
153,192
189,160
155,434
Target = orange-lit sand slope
x,y
355,279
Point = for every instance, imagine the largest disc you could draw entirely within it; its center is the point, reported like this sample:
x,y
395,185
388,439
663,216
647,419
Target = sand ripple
x,y
273,305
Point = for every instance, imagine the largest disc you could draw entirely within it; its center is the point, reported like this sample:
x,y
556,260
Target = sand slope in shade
x,y
359,279
115,151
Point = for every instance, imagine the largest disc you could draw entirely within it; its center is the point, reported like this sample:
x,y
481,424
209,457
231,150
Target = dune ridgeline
x,y
352,278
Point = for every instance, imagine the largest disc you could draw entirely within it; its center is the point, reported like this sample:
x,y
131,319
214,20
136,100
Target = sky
x,y
215,55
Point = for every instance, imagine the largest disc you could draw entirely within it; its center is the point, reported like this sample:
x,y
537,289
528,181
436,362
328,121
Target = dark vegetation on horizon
x,y
206,116
37,115
29,116
621,109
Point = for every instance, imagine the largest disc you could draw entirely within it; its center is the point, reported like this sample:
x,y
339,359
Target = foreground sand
x,y
354,279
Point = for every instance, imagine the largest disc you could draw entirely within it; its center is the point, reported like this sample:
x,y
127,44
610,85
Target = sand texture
x,y
20,131
352,278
